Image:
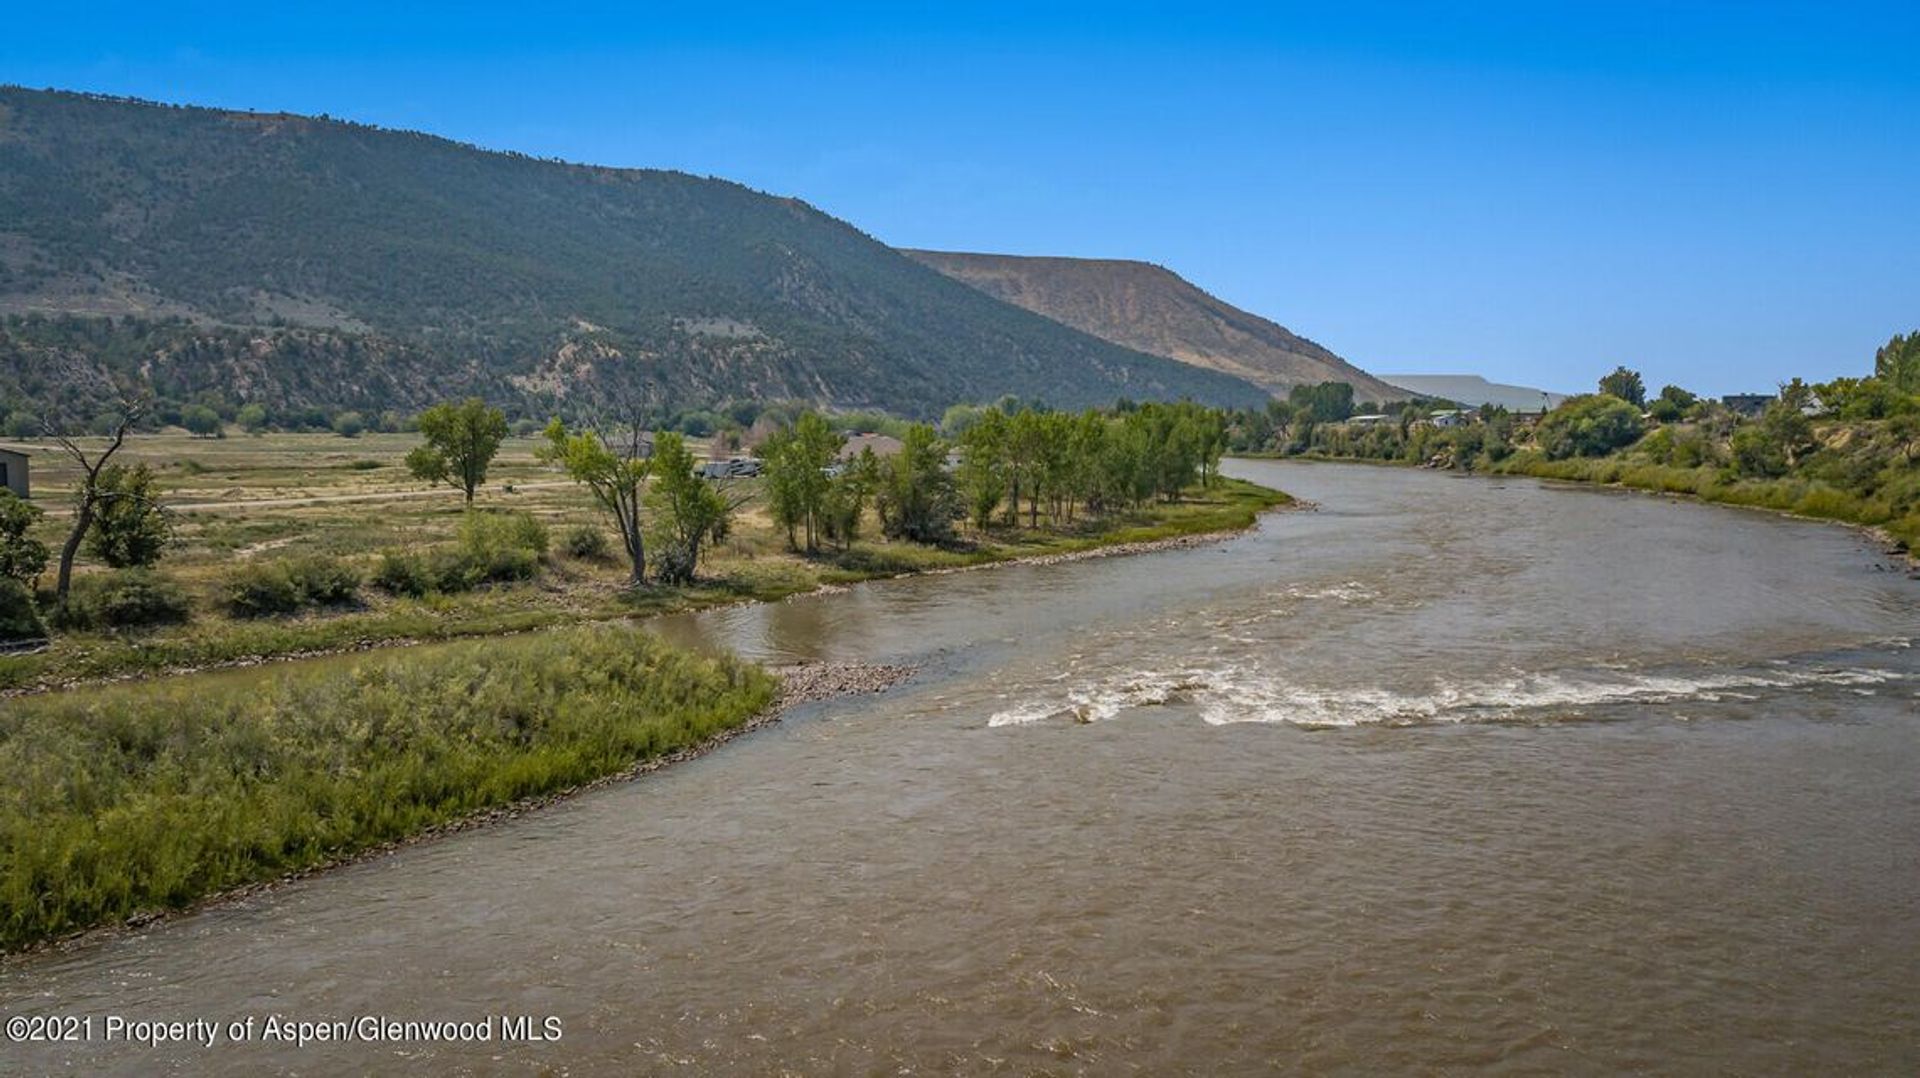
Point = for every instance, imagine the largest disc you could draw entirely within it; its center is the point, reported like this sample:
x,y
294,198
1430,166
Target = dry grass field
x,y
258,500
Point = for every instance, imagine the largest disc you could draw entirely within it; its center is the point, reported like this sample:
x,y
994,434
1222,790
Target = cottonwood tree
x,y
461,441
615,471
797,483
88,493
685,510
916,497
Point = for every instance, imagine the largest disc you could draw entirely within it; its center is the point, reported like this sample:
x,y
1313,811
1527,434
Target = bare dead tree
x,y
86,498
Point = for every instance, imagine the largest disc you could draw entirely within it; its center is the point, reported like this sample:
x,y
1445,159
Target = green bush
x,y
483,533
138,797
588,542
323,580
257,591
400,573
492,548
1589,426
123,599
19,620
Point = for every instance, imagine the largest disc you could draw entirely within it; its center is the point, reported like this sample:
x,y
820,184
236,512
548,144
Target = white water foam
x,y
1233,695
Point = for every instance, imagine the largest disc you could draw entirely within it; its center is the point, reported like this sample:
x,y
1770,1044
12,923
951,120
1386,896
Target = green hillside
x,y
300,261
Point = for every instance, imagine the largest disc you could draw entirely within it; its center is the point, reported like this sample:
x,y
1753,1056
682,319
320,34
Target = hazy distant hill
x,y
1143,306
1474,391
318,262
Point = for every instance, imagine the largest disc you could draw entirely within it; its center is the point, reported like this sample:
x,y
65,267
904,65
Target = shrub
x,y
322,580
349,424
260,590
19,620
484,533
589,542
401,573
130,528
1589,426
493,547
124,599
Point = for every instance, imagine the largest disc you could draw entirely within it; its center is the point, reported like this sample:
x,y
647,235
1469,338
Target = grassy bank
x,y
1798,496
753,564
121,799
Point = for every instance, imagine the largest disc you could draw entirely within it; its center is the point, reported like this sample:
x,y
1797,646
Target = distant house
x,y
883,445
1747,404
1372,419
1450,418
731,468
13,471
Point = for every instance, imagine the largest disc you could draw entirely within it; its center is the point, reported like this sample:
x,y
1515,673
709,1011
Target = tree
x,y
21,424
684,508
1672,405
848,495
131,527
1626,385
350,425
1898,363
796,474
252,418
614,475
461,441
917,499
22,557
87,493
1328,402
1588,426
200,421
983,475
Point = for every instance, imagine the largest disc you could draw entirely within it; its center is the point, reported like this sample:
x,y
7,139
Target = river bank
x,y
800,684
171,755
570,591
1601,714
1792,497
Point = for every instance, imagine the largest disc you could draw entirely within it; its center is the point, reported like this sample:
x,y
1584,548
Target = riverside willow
x,y
142,797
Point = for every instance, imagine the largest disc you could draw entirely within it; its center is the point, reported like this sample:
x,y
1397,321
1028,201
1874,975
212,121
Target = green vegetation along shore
x,y
206,551
1846,450
142,779
130,798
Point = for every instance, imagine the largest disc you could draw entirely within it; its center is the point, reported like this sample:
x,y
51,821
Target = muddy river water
x,y
1448,775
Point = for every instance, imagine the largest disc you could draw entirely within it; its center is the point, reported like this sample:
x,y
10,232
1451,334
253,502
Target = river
x,y
1448,774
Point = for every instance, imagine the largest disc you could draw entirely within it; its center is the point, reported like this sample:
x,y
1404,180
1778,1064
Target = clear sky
x,y
1720,194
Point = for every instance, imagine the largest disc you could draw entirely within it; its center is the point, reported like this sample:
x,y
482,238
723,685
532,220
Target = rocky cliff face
x,y
1146,307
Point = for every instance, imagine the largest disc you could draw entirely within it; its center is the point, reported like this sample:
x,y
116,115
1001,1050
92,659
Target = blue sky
x,y
1720,194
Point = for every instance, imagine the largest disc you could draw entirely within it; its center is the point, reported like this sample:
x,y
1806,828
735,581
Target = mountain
x,y
1146,307
1474,391
303,261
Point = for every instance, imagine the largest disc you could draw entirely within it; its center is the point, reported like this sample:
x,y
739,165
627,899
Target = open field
x,y
286,496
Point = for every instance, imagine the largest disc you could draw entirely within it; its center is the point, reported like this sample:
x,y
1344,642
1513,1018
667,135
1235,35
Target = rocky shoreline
x,y
800,683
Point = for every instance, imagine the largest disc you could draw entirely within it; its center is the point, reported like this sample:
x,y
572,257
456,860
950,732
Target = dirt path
x,y
369,496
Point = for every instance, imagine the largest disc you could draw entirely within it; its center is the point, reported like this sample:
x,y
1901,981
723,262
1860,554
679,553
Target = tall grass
x,y
141,797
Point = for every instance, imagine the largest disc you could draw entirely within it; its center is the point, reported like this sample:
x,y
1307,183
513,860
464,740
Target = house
x,y
1373,419
731,468
1450,418
1747,404
883,445
13,471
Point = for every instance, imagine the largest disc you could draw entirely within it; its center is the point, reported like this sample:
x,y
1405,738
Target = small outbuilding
x,y
13,471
